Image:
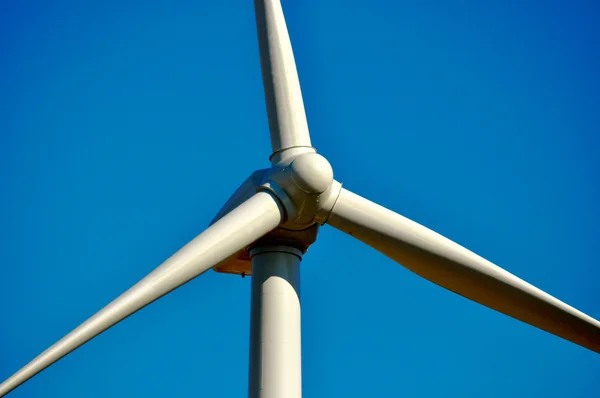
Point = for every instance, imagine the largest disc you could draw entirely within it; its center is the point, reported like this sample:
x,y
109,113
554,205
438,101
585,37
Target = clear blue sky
x,y
124,127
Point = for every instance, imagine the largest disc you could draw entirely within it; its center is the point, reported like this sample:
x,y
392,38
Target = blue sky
x,y
125,126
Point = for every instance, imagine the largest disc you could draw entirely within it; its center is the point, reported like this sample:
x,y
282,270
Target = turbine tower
x,y
275,215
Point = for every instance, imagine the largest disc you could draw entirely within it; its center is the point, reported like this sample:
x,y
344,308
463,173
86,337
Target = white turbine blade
x,y
285,108
450,265
235,231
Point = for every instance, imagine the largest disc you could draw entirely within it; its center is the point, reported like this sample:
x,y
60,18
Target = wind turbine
x,y
272,219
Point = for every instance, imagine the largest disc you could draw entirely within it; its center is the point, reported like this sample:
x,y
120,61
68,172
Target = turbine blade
x,y
235,231
285,108
459,270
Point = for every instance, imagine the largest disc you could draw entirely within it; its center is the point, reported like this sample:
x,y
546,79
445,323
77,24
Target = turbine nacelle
x,y
303,183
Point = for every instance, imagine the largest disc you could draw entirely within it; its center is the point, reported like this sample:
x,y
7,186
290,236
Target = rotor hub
x,y
304,185
311,173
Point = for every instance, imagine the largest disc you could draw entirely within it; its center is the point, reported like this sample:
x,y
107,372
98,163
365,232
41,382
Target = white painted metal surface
x,y
275,343
295,196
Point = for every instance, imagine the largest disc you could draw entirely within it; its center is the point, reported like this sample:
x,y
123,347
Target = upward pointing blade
x,y
285,108
450,265
238,229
